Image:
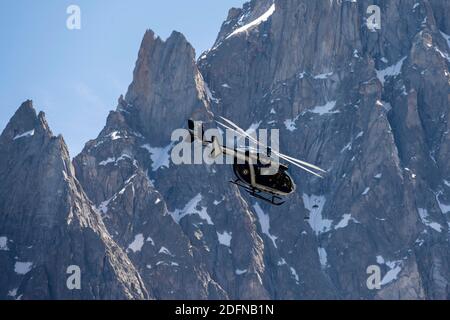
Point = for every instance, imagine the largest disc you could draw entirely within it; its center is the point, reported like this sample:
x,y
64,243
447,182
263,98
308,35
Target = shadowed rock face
x,y
47,223
371,108
127,173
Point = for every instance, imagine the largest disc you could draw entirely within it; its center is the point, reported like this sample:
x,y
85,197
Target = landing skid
x,y
257,194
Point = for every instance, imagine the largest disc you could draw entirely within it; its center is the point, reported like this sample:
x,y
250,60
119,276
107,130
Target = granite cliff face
x,y
372,108
184,213
47,223
369,106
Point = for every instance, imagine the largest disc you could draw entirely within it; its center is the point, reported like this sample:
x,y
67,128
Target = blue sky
x,y
76,76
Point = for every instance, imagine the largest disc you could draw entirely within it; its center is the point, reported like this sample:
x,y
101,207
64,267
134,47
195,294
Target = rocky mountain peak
x,y
25,122
49,224
240,17
166,80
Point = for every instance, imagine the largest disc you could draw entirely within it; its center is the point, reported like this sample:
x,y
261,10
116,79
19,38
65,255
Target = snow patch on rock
x,y
322,257
445,208
395,267
391,71
423,213
137,243
209,94
314,204
114,160
25,135
290,124
346,218
160,156
4,244
264,222
323,76
264,17
164,250
22,267
295,275
12,293
325,109
192,207
224,238
239,272
149,239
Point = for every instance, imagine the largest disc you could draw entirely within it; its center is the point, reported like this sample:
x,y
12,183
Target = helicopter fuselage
x,y
258,173
279,184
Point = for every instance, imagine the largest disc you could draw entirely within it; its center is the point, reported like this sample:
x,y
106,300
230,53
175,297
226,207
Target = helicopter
x,y
251,167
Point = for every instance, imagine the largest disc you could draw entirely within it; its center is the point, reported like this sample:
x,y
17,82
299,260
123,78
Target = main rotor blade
x,y
299,163
241,131
306,164
227,127
300,166
242,134
232,123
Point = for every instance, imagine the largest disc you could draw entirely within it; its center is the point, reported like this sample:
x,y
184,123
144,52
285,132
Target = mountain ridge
x,y
369,107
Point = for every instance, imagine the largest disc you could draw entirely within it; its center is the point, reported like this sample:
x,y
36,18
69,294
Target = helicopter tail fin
x,y
196,130
216,148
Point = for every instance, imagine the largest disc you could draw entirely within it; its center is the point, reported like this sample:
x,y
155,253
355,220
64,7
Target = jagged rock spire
x,y
47,223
